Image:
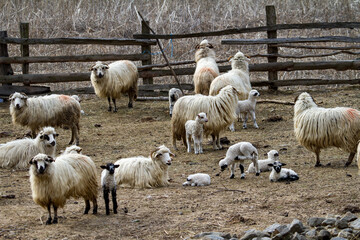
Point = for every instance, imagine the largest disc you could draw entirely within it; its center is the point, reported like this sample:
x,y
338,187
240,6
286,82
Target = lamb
x,y
220,111
238,153
317,128
273,156
16,154
52,110
198,179
174,95
144,172
108,184
110,81
281,174
206,68
194,130
53,182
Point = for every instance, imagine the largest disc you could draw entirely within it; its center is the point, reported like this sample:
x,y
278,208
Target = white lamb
x,y
111,81
52,110
238,153
206,68
197,179
108,185
174,95
281,174
194,130
317,128
273,156
144,172
16,154
53,182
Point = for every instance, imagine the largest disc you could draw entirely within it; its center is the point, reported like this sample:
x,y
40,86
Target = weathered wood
x,y
165,87
305,56
25,52
270,21
146,49
305,82
274,101
160,98
5,69
6,91
319,47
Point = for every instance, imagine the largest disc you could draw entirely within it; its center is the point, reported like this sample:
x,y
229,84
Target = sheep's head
x,y
273,154
240,57
303,102
204,44
48,135
223,164
110,167
162,154
277,166
18,100
73,149
99,69
76,97
188,181
41,162
202,117
254,93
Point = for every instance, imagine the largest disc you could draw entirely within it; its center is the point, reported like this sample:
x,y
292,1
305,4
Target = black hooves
x,y
232,176
130,105
257,174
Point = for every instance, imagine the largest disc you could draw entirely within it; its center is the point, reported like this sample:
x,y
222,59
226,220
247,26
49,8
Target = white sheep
x,y
174,95
317,128
111,81
194,130
55,181
197,179
220,111
52,110
77,98
281,174
108,185
206,68
144,172
273,156
16,154
72,149
238,153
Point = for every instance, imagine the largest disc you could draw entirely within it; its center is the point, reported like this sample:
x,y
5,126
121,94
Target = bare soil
x,y
177,212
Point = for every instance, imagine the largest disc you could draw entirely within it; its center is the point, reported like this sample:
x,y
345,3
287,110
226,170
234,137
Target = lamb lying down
x,y
198,179
281,174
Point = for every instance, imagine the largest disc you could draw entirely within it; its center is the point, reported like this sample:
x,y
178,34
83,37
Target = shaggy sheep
x,y
273,156
108,184
72,149
174,95
206,67
52,110
110,81
53,182
142,172
317,128
281,174
198,179
220,110
238,153
16,154
194,130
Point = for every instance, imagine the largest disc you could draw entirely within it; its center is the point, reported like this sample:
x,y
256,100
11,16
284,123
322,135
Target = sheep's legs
x,y
95,206
200,145
188,143
350,159
317,152
113,195
254,119
256,165
245,120
49,218
216,142
232,171
232,127
110,108
87,206
55,215
106,199
74,134
114,101
242,171
131,97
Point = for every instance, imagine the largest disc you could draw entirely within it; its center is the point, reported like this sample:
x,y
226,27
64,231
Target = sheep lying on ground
x,y
53,182
108,184
317,128
281,174
194,130
16,154
220,111
238,153
142,172
110,81
174,95
206,67
52,110
197,179
273,156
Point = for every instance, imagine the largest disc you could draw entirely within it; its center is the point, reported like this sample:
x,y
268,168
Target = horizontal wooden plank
x,y
7,90
304,82
318,47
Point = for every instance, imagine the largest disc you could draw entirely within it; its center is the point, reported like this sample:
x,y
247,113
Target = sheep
x,y
317,128
281,174
206,68
174,95
72,149
77,98
55,181
273,156
220,111
110,81
51,110
238,153
16,154
144,172
108,184
198,179
194,130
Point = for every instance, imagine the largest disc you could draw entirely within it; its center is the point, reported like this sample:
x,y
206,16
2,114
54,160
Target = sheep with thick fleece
x,y
16,154
194,130
238,153
51,110
317,128
220,111
53,182
197,179
113,80
144,172
174,95
108,184
206,68
281,174
72,149
273,156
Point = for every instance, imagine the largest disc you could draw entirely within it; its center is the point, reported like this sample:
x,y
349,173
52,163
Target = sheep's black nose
x,y
101,75
17,106
53,143
41,170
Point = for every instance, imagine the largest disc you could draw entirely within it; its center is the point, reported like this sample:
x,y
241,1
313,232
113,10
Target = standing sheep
x,y
194,130
110,81
174,95
108,184
273,156
317,128
52,110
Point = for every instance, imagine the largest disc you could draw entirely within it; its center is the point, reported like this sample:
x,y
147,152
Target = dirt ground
x,y
178,212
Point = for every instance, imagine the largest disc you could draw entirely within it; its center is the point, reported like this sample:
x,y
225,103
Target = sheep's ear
x,y
296,98
283,164
248,58
270,165
116,165
229,59
171,154
79,150
56,134
41,134
210,46
106,67
24,95
50,159
31,161
103,167
158,154
197,46
10,97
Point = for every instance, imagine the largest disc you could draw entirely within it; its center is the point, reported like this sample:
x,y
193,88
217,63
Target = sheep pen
x,y
174,212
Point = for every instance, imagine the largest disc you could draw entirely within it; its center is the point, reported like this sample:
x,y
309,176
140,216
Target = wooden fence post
x,y
5,69
271,20
146,49
24,33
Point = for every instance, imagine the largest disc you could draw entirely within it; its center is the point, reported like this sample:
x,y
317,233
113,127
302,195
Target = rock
x,y
329,222
338,238
349,217
254,234
341,224
324,235
311,234
334,232
213,235
298,236
315,221
355,224
283,235
272,228
345,234
296,226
